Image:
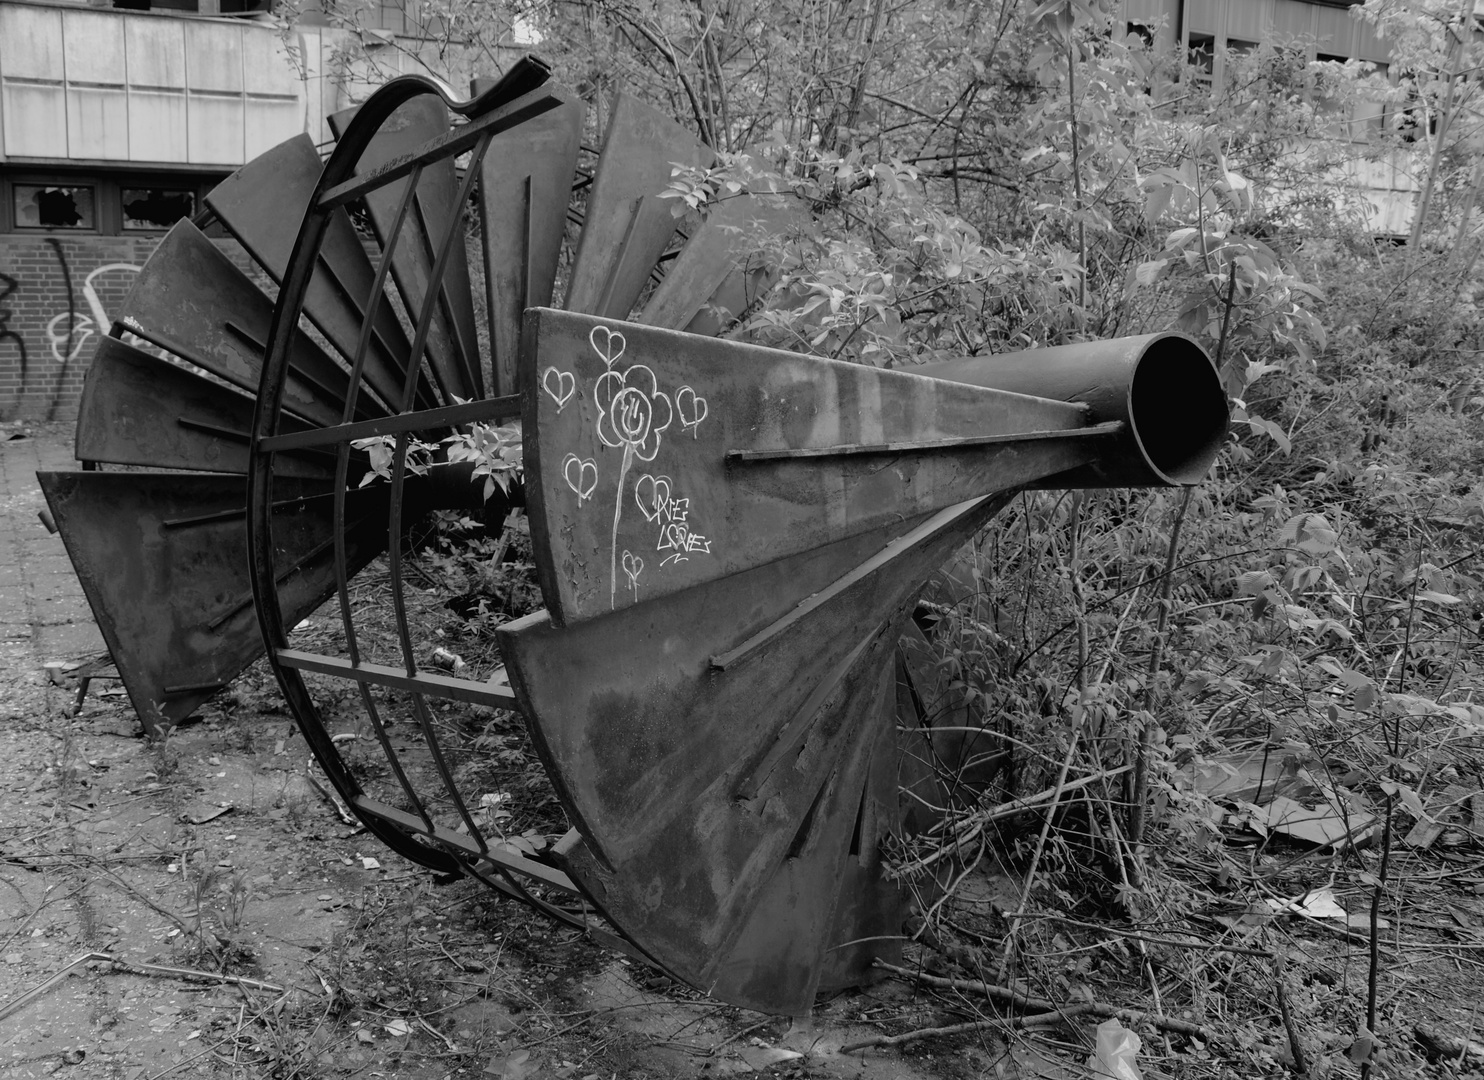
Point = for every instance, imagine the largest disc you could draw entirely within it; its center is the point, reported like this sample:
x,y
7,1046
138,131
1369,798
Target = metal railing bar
x,y
495,692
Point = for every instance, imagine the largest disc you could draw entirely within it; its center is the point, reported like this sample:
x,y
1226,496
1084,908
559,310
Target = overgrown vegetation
x,y
979,177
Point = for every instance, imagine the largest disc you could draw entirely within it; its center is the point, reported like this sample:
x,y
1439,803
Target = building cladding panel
x,y
84,85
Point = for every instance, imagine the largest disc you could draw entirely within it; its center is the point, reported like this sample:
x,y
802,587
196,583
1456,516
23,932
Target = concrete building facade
x,y
114,123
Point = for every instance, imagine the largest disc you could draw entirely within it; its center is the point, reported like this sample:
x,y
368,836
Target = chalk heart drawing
x,y
581,475
691,408
608,344
633,566
561,385
652,493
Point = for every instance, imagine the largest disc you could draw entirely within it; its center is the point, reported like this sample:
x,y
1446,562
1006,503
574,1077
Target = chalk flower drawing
x,y
632,413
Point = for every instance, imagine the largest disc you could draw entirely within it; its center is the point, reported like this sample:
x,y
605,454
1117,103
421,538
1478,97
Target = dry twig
x,y
1024,1001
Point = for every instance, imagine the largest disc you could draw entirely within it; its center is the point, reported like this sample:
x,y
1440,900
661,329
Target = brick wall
x,y
41,365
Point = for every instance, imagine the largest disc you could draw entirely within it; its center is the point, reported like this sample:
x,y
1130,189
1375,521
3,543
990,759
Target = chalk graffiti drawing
x,y
9,285
561,385
633,566
612,344
90,293
652,493
66,342
691,408
632,413
581,475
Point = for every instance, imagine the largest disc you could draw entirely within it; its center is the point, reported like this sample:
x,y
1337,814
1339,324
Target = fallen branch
x,y
1440,1044
131,969
190,974
1038,1020
1041,1005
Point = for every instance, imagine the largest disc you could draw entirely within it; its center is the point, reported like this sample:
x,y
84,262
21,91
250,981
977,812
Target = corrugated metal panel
x,y
215,130
214,56
31,43
1249,20
1370,45
155,52
1205,16
1292,19
269,123
266,67
93,48
157,125
35,121
1334,31
97,123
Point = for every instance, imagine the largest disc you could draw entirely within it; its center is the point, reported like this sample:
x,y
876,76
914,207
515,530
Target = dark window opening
x,y
1201,56
158,5
156,208
43,206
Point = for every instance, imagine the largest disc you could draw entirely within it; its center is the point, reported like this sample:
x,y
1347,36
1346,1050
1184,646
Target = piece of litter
x,y
1323,826
1115,1055
399,1028
368,863
516,1066
1321,904
760,1057
344,736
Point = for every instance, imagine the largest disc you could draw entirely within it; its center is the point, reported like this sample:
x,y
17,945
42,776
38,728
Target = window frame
x,y
108,198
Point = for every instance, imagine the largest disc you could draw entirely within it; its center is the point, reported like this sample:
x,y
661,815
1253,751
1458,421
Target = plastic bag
x,y
1113,1056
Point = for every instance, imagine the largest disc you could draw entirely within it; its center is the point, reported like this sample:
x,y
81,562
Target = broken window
x,y
46,206
156,208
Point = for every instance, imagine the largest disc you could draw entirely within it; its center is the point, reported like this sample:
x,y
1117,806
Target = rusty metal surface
x,y
524,194
191,299
453,345
262,205
162,559
628,431
137,409
1163,387
718,807
730,541
626,225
